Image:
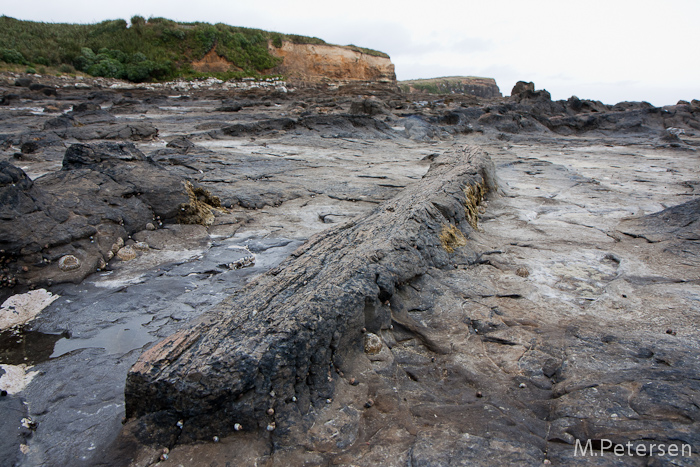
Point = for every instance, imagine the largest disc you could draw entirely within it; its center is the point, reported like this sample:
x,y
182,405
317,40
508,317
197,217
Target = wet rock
x,y
12,434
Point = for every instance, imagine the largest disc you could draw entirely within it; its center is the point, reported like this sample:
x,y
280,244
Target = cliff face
x,y
312,62
480,87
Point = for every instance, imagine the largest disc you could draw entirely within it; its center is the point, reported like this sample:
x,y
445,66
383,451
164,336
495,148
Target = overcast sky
x,y
609,50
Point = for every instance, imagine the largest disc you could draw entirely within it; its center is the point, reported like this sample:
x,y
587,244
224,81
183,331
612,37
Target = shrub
x,y
138,21
12,56
107,68
140,71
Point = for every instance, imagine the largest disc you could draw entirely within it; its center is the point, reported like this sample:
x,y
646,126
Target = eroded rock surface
x,y
568,314
67,224
314,306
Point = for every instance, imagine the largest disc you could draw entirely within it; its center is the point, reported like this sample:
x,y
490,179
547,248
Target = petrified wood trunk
x,y
273,343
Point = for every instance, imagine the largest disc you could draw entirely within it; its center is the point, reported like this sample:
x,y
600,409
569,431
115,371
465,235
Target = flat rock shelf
x,y
345,274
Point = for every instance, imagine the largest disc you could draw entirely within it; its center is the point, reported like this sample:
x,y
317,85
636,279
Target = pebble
x,y
522,386
522,272
271,426
237,427
216,439
270,411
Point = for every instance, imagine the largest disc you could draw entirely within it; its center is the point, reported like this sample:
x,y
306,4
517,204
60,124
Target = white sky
x,y
608,50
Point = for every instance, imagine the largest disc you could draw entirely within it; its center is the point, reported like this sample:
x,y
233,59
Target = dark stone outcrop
x,y
104,192
272,344
454,85
678,227
367,107
87,121
522,86
329,125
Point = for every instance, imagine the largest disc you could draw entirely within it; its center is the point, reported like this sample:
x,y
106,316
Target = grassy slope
x,y
153,49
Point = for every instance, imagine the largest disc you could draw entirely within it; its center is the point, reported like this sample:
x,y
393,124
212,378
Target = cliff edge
x,y
316,62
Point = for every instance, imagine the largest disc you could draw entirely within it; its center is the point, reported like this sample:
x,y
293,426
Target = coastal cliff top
x,y
153,49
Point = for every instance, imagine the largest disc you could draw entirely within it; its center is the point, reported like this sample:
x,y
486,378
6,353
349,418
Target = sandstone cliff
x,y
314,62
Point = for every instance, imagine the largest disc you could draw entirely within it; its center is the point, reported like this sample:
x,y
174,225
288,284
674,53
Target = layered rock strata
x,y
270,348
315,62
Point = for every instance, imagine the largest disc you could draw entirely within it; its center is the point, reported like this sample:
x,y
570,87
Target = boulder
x,y
271,344
87,121
63,226
367,107
522,86
23,82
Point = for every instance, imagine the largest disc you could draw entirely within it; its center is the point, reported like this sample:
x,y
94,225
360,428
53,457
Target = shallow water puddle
x,y
118,339
26,347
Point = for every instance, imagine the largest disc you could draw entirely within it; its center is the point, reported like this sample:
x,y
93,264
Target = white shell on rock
x,y
68,263
373,343
117,245
126,253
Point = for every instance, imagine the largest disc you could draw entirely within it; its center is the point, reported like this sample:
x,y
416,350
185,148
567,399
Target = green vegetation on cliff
x,y
143,50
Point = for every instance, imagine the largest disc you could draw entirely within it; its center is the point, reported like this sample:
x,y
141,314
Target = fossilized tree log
x,y
273,343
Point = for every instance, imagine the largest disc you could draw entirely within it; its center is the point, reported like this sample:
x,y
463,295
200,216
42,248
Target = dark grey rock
x,y
104,192
285,338
522,86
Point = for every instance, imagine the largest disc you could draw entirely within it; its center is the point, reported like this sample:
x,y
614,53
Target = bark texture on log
x,y
274,343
